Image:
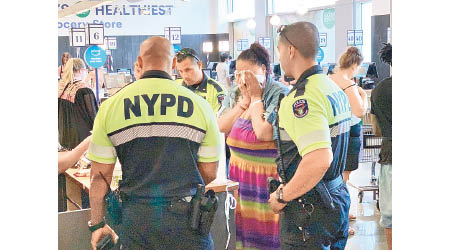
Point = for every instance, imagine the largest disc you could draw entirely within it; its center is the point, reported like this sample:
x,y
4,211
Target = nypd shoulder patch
x,y
300,108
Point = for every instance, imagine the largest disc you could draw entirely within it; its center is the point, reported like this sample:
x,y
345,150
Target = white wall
x,y
194,17
381,7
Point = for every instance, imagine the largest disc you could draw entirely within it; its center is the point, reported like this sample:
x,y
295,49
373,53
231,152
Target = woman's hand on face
x,y
253,88
245,96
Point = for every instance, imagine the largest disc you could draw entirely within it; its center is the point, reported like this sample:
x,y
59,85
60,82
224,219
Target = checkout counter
x,y
73,233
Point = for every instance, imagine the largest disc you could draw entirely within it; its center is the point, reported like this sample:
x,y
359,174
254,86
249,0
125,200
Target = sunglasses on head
x,y
184,53
281,32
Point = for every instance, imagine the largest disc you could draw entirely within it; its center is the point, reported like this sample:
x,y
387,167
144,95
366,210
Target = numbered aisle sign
x,y
173,34
111,42
350,37
77,37
322,39
358,37
94,34
95,56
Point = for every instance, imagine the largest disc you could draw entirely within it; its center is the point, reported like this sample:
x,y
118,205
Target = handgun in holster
x,y
204,207
113,204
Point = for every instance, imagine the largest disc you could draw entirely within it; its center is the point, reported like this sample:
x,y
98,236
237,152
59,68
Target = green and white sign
x,y
328,18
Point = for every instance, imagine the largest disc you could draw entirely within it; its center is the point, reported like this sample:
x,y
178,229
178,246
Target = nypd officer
x,y
190,68
167,141
314,127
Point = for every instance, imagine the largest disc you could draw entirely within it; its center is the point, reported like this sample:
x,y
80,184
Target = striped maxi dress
x,y
251,162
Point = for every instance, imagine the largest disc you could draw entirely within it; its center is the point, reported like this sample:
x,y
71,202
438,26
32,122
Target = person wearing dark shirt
x,y
381,99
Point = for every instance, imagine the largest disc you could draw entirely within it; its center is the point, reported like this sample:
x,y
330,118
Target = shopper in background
x,y
223,71
381,107
64,58
67,159
248,119
165,152
190,68
343,77
77,105
314,130
91,80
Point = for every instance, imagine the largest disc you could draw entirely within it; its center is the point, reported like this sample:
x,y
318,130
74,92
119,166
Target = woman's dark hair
x,y
64,55
224,56
386,53
350,57
258,55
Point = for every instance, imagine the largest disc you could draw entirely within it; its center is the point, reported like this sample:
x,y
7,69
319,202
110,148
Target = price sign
x,y
77,37
173,34
94,34
322,39
358,37
350,37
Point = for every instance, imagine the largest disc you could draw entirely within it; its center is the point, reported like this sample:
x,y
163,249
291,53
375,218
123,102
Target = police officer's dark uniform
x,y
315,114
158,130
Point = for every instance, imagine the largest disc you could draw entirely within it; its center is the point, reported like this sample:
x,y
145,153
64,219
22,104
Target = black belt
x,y
159,201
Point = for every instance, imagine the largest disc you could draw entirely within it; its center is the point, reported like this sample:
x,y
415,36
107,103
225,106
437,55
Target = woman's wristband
x,y
255,102
349,86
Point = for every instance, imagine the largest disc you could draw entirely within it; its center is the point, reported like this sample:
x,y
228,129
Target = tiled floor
x,y
369,235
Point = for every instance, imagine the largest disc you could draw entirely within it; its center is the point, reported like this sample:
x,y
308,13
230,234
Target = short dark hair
x,y
258,55
224,56
386,53
187,53
304,36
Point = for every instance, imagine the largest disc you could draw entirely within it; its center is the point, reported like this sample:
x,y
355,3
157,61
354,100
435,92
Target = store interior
x,y
214,28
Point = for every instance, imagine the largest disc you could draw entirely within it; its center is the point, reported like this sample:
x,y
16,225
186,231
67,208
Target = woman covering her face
x,y
248,118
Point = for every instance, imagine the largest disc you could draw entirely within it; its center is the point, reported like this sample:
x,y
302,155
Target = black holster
x,y
204,207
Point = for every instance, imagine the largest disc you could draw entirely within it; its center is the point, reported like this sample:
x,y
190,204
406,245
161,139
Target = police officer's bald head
x,y
304,36
156,53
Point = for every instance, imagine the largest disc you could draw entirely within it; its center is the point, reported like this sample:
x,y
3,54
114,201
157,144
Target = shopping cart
x,y
369,153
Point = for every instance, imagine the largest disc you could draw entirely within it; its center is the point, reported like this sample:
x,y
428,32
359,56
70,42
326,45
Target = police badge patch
x,y
300,108
220,98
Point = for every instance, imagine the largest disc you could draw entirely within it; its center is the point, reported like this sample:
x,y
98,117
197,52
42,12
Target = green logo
x,y
328,18
83,14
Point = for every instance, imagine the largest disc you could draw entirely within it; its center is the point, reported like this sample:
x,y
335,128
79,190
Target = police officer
x,y
167,141
190,68
314,128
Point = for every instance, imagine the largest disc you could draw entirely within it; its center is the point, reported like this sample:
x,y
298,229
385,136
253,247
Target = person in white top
x,y
223,71
343,77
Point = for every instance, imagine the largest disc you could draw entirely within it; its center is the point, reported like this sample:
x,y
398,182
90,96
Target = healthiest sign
x,y
95,56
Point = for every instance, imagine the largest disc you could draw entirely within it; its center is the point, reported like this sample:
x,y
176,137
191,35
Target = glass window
x,y
366,16
241,9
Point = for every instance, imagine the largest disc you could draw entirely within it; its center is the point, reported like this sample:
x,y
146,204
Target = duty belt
x,y
160,201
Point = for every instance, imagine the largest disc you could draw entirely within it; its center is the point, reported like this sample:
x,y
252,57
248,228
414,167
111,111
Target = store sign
x,y
328,18
111,42
77,37
242,44
173,34
320,55
265,41
95,34
323,39
350,37
354,37
143,17
358,37
95,56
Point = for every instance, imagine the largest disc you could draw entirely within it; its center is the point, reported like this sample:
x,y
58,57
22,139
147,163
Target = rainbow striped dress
x,y
251,162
